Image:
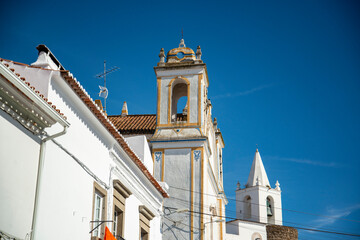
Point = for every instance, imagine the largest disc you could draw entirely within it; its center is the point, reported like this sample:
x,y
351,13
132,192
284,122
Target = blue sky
x,y
283,74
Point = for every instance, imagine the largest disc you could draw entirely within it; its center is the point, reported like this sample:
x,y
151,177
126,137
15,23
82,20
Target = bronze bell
x,y
269,210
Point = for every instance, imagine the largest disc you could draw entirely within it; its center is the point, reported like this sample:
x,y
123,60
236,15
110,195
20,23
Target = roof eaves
x,y
23,86
84,96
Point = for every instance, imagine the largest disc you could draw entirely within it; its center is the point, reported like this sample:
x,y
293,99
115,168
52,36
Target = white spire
x,y
257,176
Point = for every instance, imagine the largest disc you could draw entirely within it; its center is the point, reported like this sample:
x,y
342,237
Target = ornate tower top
x,y
181,54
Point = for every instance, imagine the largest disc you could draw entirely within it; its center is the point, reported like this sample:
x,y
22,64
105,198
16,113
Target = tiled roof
x,y
84,96
30,86
134,124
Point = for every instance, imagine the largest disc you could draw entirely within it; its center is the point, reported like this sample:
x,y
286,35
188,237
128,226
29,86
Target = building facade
x,y
186,146
69,177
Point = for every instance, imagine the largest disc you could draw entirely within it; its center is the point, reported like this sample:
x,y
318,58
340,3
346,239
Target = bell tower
x,y
258,201
187,147
183,75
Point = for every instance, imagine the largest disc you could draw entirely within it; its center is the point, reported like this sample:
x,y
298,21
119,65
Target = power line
x,y
290,210
307,229
302,228
263,218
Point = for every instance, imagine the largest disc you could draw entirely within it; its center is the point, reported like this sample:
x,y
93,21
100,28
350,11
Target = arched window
x,y
247,207
179,100
270,210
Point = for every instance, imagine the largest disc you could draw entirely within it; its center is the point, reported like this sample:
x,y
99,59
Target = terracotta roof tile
x,y
3,61
134,124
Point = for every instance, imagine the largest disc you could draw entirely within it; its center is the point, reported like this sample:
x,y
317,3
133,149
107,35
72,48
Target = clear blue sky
x,y
283,74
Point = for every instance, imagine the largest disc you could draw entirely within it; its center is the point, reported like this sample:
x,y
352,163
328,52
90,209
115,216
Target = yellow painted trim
x,y
202,195
179,125
175,148
163,166
192,74
153,158
221,224
158,100
169,103
181,49
199,98
192,196
170,95
192,200
207,77
188,104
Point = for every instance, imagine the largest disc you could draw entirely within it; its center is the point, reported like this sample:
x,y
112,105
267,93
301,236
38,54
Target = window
x,y
145,217
144,234
118,223
120,195
99,211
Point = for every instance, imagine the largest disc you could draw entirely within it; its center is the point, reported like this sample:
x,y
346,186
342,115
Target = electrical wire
x,y
301,228
290,210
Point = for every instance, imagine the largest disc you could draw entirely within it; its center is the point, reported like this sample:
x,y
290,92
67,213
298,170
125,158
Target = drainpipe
x,y
39,176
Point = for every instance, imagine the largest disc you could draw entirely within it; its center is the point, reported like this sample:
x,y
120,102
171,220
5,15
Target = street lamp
x,y
216,221
175,210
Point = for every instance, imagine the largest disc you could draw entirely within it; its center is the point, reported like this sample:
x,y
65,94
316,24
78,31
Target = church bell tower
x,y
182,76
258,201
187,148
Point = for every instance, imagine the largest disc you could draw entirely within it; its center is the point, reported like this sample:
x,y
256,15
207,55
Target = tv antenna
x,y
103,90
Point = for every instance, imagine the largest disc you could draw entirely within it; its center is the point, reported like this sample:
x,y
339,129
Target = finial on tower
x,y
277,184
182,43
162,57
238,186
198,53
124,111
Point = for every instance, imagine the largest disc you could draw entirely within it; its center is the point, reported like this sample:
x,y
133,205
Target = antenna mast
x,y
103,90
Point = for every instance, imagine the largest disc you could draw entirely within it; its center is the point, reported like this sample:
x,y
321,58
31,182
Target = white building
x,y
257,205
61,176
186,146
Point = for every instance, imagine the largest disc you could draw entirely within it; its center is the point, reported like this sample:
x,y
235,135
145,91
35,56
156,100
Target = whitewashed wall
x,y
239,230
19,156
66,189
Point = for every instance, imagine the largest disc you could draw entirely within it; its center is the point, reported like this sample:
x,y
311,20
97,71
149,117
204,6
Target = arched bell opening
x,y
179,101
270,210
247,207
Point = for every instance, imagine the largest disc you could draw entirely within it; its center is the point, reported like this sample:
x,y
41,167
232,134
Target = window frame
x,y
145,216
120,193
102,193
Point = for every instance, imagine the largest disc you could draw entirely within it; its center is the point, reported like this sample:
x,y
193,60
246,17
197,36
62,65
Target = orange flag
x,y
108,235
